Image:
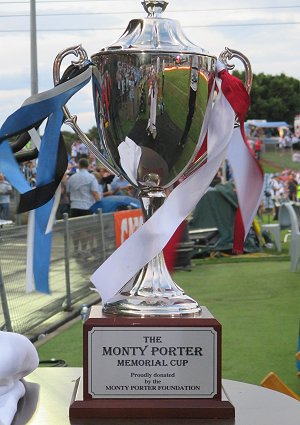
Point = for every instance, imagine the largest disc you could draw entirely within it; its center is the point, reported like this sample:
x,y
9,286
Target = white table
x,y
49,393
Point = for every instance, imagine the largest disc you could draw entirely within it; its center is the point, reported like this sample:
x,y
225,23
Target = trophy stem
x,y
152,291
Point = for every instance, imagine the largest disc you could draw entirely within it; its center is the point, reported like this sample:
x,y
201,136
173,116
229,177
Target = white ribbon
x,y
52,217
247,175
130,155
36,140
151,238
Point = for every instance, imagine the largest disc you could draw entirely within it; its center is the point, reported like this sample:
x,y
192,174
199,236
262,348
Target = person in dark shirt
x,y
257,148
292,188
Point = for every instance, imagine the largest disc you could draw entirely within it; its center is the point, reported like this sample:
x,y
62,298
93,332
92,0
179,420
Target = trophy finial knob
x,y
154,7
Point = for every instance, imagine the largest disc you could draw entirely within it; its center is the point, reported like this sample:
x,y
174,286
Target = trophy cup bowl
x,y
152,89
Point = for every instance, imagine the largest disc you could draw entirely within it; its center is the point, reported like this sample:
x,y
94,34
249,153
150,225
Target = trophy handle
x,y
229,54
71,120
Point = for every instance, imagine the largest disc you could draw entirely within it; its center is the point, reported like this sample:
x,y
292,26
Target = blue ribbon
x,y
45,173
38,107
11,170
25,117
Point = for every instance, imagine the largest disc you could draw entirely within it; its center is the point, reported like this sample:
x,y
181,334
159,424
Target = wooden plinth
x,y
83,405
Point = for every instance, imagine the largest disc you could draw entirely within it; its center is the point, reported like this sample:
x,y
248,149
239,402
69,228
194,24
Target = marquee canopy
x,y
267,124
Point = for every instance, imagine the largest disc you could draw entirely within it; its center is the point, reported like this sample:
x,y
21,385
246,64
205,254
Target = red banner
x,y
126,223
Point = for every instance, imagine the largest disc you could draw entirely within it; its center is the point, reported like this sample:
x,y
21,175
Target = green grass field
x,y
257,303
177,86
275,161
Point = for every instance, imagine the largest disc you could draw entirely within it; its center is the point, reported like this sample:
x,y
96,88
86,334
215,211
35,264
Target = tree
x,y
69,138
93,133
273,97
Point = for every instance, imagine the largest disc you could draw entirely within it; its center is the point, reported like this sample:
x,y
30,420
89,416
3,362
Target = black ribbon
x,y
40,195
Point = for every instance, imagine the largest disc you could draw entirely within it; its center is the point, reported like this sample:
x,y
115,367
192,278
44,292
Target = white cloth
x,y
18,358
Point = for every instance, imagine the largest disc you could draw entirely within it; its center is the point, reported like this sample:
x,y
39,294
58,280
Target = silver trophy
x,y
152,89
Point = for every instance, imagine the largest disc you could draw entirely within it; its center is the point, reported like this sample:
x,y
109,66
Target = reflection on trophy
x,y
153,90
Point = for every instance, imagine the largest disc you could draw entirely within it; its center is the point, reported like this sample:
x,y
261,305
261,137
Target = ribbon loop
x,y
52,164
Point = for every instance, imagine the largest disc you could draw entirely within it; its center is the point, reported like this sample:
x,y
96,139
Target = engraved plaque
x,y
152,362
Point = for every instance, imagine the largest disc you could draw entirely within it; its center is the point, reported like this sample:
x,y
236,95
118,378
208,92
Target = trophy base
x,y
151,367
149,408
122,305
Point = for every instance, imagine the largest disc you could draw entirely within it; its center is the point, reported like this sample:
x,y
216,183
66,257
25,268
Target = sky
x,y
267,32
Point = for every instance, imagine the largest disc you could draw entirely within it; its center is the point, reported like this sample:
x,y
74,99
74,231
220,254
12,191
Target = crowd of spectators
x,y
97,176
280,187
103,182
287,141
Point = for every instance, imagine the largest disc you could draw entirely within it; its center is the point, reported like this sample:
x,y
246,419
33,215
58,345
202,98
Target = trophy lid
x,y
154,33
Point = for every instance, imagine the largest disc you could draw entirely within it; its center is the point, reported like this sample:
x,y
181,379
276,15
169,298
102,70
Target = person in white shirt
x,y
83,190
5,192
83,150
277,188
75,150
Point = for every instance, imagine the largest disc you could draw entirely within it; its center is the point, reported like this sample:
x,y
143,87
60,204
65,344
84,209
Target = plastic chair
x,y
288,219
274,229
273,382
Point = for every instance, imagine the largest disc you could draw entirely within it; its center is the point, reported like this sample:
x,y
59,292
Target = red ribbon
x,y
236,94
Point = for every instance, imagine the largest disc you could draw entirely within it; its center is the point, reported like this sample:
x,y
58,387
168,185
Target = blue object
x,y
266,124
116,203
48,104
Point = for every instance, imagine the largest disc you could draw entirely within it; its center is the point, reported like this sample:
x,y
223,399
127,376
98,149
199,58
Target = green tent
x,y
217,209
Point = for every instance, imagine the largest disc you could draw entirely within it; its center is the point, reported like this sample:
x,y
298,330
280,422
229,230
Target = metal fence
x,y
69,270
